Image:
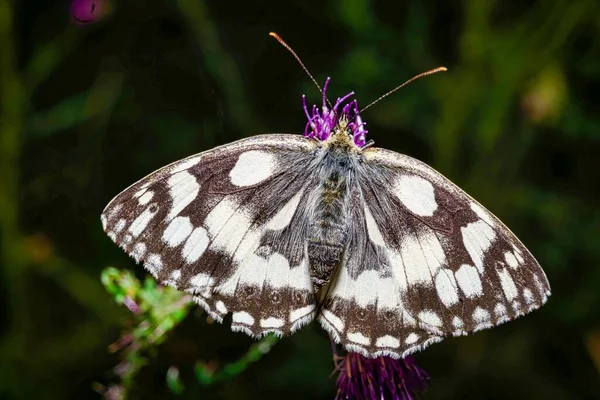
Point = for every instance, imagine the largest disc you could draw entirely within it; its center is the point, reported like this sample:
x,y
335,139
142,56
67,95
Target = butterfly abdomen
x,y
329,231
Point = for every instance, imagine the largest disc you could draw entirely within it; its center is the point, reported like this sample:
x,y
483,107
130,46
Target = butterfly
x,y
280,229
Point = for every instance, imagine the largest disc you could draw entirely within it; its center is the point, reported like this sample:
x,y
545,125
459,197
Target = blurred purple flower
x,y
87,11
378,378
132,305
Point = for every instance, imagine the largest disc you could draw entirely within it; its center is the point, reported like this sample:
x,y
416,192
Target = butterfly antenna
x,y
414,78
284,44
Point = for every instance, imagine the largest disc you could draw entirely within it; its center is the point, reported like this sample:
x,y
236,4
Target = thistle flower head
x,y
322,122
378,378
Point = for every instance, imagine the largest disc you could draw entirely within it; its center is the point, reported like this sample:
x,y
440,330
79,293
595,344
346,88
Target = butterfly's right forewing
x,y
229,226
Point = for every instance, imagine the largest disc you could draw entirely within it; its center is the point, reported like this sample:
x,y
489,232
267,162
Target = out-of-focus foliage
x,y
90,104
158,310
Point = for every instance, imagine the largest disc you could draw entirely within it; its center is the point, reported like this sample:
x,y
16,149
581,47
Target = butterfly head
x,y
339,118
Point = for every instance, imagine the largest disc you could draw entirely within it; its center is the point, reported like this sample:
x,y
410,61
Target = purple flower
x,y
87,11
322,123
378,378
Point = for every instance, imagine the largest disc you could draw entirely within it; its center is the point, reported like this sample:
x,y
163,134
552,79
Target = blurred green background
x,y
87,108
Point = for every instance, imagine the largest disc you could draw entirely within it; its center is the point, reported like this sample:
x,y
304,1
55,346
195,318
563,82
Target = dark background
x,y
89,108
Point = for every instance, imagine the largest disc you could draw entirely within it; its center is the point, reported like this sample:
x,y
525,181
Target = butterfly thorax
x,y
341,141
328,230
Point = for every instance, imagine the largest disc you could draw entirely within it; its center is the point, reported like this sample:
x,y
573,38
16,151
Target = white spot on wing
x,y
175,275
119,226
279,273
146,197
368,288
511,260
457,323
416,194
359,338
301,317
517,307
178,230
186,164
195,245
142,221
372,228
387,341
301,312
540,287
139,249
201,281
272,322
398,272
334,320
482,213
220,307
252,167
113,212
422,256
469,281
412,338
274,271
153,263
528,296
183,189
227,225
518,254
477,238
508,285
285,215
446,287
242,317
481,316
430,318
499,309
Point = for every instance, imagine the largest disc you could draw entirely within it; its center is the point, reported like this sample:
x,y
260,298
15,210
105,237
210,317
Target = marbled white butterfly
x,y
387,254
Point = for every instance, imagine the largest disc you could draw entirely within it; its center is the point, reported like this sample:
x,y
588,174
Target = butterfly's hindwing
x,y
424,261
219,226
364,307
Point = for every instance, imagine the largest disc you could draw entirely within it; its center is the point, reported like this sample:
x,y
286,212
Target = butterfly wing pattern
x,y
424,261
196,225
384,251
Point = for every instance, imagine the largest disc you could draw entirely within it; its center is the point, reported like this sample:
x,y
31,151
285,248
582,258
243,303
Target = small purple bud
x,y
123,368
87,11
132,305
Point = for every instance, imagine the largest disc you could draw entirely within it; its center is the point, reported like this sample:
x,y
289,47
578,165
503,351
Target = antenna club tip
x,y
273,34
443,69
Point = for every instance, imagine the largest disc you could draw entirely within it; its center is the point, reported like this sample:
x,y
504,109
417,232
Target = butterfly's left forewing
x,y
228,226
424,261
